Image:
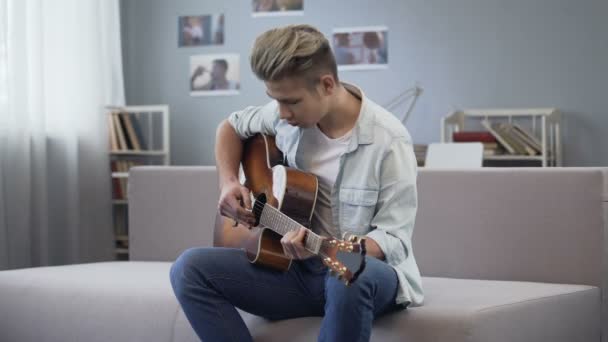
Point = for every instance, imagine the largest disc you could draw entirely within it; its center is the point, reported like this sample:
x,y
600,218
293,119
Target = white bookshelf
x,y
145,141
544,123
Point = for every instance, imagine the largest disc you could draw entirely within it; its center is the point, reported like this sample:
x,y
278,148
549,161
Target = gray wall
x,y
466,53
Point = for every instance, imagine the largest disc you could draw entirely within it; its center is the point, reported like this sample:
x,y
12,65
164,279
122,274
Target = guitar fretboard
x,y
283,224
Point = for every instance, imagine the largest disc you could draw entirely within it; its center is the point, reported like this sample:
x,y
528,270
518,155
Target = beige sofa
x,y
506,255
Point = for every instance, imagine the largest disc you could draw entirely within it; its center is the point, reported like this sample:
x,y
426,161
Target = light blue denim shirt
x,y
375,190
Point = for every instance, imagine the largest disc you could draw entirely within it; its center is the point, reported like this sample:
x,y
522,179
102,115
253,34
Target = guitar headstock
x,y
345,258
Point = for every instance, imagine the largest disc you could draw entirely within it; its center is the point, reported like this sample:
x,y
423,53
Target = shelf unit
x,y
149,127
544,123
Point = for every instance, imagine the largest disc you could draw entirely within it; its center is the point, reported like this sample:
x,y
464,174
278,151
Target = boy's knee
x,y
181,269
360,289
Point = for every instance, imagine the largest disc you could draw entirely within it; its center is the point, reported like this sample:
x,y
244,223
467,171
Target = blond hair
x,y
292,51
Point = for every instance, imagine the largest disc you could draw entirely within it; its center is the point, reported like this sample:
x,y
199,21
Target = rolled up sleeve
x,y
253,120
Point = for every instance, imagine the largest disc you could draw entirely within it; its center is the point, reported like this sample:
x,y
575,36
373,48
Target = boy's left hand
x,y
293,244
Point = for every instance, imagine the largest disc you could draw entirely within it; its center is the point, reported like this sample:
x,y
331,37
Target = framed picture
x,y
270,8
214,74
200,30
361,48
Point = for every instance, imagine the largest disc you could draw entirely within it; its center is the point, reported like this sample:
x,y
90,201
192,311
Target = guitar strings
x,y
260,206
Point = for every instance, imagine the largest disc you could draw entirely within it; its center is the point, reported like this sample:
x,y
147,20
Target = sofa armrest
x,y
171,208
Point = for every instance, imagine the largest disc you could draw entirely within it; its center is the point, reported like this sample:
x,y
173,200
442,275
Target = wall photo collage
x,y
355,48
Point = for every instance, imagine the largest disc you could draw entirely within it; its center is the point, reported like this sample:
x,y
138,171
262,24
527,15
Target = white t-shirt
x,y
320,155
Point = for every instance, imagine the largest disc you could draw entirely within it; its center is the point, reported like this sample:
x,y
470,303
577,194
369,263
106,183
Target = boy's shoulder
x,y
386,126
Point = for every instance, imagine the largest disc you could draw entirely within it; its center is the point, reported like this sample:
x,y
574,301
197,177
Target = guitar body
x,y
291,191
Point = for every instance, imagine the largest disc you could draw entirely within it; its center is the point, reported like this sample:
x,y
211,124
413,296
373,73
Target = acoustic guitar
x,y
283,200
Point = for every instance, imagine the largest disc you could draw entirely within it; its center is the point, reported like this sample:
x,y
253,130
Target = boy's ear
x,y
328,84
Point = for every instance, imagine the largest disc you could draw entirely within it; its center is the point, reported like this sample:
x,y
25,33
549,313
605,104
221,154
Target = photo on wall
x,y
273,8
214,74
361,48
200,30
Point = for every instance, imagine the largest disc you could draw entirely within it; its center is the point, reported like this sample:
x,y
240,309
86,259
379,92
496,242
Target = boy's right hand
x,y
235,202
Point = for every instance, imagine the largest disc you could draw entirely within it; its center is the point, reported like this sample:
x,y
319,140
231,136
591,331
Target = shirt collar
x,y
363,132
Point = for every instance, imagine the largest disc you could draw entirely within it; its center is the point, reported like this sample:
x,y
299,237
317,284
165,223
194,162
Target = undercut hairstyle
x,y
293,51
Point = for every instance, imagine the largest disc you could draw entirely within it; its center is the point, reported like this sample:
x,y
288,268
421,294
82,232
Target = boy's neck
x,y
342,115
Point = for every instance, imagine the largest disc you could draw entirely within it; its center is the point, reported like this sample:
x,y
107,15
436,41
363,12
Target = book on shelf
x,y
119,184
138,131
523,147
123,127
490,144
117,192
125,132
473,136
122,144
113,137
492,149
529,137
499,138
513,138
131,132
506,133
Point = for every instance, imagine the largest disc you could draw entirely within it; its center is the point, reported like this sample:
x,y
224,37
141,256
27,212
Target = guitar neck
x,y
283,224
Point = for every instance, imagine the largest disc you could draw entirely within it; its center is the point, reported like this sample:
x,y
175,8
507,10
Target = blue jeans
x,y
210,282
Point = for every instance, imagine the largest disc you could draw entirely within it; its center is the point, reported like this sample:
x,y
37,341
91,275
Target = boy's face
x,y
300,105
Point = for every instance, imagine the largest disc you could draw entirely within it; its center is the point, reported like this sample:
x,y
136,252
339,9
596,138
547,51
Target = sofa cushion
x,y
473,310
133,301
111,301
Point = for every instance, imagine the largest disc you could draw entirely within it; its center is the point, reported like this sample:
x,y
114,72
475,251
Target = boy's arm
x,y
235,201
253,120
228,151
397,204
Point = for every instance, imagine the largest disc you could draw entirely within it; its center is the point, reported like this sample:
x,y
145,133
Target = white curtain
x,y
60,64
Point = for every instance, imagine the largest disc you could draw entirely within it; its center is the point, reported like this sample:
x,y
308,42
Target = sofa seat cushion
x,y
108,301
473,310
133,301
